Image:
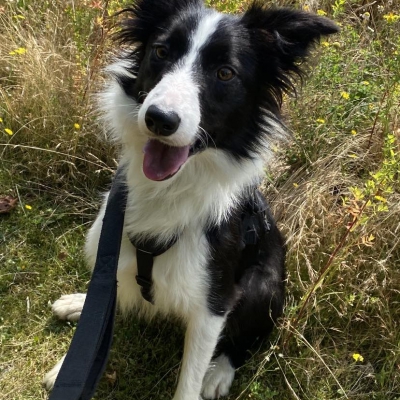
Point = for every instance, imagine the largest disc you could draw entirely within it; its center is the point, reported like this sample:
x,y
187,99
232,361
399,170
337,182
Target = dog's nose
x,y
161,122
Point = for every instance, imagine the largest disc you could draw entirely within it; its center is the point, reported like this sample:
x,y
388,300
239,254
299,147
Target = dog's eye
x,y
161,52
225,74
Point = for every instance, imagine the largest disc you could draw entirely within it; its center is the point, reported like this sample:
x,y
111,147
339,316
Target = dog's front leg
x,y
202,333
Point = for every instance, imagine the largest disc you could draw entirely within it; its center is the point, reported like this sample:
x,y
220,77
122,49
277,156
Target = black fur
x,y
266,48
247,279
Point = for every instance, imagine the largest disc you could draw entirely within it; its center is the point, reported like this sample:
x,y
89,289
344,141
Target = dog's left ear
x,y
291,31
284,36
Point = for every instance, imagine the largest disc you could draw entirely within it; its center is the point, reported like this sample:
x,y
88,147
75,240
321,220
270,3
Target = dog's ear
x,y
145,17
283,38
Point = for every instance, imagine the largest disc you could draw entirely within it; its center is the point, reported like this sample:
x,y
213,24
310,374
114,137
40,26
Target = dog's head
x,y
198,79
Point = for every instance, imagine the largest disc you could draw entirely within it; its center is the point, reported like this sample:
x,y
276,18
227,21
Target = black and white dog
x,y
194,102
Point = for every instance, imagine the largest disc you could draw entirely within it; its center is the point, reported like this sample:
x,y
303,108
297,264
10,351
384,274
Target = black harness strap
x,y
85,361
146,250
255,226
254,218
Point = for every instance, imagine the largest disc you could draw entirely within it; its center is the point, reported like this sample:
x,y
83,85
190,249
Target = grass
x,y
335,190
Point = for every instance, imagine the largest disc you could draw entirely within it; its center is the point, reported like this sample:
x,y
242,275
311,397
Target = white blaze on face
x,y
178,91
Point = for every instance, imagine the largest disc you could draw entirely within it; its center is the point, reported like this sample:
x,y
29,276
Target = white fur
x,y
202,192
218,379
178,91
50,378
69,306
201,338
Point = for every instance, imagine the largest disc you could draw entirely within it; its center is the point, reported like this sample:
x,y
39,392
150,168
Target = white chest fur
x,y
204,192
180,279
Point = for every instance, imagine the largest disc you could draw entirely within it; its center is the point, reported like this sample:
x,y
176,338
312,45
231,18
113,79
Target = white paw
x,y
50,378
218,378
69,306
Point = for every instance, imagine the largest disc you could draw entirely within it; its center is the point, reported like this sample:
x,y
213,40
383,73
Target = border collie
x,y
194,103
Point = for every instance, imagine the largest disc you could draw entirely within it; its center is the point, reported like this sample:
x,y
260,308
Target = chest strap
x,y
146,250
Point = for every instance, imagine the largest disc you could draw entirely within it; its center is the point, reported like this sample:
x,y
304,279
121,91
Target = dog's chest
x,y
180,277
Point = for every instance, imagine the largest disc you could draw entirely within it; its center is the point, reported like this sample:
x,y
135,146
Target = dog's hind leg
x,y
202,333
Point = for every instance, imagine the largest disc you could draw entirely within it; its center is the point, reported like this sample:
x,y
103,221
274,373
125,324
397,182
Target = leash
x,y
86,359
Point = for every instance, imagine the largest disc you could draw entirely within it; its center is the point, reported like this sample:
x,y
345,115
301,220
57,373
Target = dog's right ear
x,y
145,17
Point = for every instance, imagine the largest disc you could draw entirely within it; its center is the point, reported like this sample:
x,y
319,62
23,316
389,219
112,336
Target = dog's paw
x,y
50,378
218,379
69,306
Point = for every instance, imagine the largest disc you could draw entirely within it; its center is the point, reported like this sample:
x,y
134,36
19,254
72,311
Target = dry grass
x,y
335,190
45,92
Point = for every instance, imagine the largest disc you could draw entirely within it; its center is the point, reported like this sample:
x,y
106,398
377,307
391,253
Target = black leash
x,y
86,359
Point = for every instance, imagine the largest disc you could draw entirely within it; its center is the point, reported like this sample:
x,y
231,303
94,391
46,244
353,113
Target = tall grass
x,y
50,61
334,189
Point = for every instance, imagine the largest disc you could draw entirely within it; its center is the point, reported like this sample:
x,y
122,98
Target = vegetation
x,y
335,190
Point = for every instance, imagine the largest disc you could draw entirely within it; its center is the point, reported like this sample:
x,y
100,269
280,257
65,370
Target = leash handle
x,y
87,356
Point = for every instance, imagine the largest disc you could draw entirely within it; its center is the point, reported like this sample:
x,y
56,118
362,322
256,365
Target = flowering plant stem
x,y
323,272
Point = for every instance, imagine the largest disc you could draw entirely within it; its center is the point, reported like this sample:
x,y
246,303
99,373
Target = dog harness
x,y
253,221
146,250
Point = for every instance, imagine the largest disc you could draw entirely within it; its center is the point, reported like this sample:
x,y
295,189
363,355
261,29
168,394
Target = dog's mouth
x,y
162,162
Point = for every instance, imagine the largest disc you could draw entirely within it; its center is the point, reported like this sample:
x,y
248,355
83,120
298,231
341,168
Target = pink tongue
x,y
161,161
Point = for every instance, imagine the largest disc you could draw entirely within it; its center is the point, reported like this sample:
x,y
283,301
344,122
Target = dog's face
x,y
202,79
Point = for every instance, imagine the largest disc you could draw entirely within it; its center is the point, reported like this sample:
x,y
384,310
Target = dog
x,y
194,104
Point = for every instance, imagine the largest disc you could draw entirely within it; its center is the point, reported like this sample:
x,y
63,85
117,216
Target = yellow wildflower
x,y
9,131
391,18
325,44
345,95
1,120
28,207
321,12
19,51
320,120
77,126
358,357
366,83
380,198
353,132
295,185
